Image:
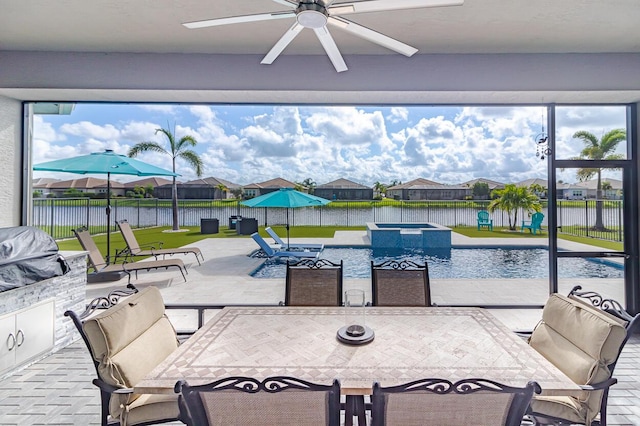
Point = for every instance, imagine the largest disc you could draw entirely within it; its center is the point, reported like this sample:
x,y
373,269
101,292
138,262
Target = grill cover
x,y
28,255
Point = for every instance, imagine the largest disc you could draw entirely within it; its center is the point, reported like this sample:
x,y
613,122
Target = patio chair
x,y
126,341
312,282
100,266
152,249
278,400
484,220
583,335
477,402
533,225
269,251
294,246
400,283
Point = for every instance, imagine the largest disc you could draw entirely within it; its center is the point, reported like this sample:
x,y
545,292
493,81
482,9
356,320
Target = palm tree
x,y
223,190
177,149
380,188
598,150
513,198
310,184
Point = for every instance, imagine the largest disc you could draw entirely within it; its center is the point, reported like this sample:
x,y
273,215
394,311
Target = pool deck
x,y
57,390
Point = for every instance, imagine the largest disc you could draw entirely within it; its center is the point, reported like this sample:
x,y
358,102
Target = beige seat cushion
x,y
581,341
128,340
150,408
564,407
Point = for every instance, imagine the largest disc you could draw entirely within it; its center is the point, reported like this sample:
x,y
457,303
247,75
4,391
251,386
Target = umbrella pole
x,y
108,218
288,244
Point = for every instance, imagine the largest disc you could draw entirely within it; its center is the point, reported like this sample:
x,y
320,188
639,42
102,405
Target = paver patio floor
x,y
58,391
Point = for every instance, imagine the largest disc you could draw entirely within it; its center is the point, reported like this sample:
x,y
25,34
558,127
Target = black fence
x,y
59,216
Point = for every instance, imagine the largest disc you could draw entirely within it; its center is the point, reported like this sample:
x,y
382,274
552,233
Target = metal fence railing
x,y
58,216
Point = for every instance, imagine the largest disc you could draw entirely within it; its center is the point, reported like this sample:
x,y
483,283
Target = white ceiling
x,y
477,27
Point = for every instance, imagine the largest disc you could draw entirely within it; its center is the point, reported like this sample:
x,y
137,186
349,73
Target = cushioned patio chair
x,y
533,225
313,283
400,283
294,246
100,266
126,341
269,251
583,335
152,249
484,220
277,400
440,402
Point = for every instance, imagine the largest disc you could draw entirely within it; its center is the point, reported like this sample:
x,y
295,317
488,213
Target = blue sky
x,y
253,143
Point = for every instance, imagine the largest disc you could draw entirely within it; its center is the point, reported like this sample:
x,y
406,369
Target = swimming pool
x,y
480,263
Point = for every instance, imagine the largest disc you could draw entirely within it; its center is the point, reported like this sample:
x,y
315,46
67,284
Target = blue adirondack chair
x,y
533,225
484,220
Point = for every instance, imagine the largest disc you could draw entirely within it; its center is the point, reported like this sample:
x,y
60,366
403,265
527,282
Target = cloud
x,y
398,114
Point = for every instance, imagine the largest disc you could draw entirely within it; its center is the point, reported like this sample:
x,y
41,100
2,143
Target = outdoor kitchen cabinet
x,y
25,334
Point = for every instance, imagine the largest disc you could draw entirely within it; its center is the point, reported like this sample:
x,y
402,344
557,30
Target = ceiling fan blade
x,y
293,4
330,47
240,19
281,44
373,36
383,5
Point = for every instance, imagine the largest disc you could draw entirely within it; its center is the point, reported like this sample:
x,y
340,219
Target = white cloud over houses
x,y
253,144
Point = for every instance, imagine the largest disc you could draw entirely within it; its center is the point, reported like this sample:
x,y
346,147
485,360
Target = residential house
x,y
154,181
570,191
255,189
41,186
344,189
424,189
88,185
492,184
613,193
199,189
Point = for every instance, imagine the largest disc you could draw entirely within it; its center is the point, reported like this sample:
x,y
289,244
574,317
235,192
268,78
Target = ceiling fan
x,y
316,14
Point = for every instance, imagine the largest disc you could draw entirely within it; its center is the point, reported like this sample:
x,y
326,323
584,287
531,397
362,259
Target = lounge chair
x,y
533,225
154,249
484,220
100,266
271,252
294,246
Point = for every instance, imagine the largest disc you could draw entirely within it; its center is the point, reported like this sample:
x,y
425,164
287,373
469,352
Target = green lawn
x,y
178,239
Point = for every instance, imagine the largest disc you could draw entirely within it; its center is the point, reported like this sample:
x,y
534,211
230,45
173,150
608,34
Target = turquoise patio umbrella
x,y
104,162
286,198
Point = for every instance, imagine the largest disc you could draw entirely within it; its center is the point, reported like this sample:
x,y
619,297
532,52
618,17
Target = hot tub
x,y
409,235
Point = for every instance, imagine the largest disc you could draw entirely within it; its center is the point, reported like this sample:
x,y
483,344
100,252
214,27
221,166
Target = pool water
x,y
481,263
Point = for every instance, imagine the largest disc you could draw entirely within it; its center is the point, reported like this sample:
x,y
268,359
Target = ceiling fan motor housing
x,y
311,15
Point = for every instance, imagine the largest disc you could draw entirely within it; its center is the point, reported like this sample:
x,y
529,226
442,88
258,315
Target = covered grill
x,y
28,255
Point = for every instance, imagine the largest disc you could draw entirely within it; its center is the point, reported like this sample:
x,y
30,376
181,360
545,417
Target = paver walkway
x,y
58,391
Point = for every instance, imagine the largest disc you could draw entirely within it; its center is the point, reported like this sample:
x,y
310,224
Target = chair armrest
x,y
106,387
154,245
601,385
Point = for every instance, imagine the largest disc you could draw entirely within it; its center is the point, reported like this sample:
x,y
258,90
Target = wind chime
x,y
542,142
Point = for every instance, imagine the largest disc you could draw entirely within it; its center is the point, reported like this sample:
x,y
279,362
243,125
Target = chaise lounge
x,y
100,266
134,249
294,246
271,252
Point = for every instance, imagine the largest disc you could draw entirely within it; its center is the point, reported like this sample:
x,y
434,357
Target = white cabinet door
x,y
7,342
34,331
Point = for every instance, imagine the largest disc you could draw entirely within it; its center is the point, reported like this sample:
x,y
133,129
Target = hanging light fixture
x,y
542,142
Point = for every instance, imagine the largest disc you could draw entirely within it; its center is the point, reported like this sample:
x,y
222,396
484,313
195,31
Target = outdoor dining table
x,y
409,344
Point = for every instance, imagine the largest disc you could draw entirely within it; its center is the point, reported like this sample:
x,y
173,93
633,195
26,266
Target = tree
x,y
538,189
380,188
177,149
513,198
598,150
223,190
480,190
308,184
148,191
